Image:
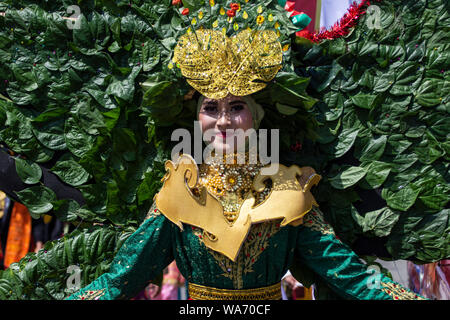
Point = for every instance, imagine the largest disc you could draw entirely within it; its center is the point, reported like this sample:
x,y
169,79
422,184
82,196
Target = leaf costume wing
x,y
383,124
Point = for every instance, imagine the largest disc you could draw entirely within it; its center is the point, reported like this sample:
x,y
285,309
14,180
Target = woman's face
x,y
222,117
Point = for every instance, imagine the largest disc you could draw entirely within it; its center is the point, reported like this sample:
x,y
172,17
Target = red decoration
x,y
235,6
289,6
185,11
176,2
231,13
340,28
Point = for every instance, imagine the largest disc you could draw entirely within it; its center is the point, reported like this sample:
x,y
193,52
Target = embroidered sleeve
x,y
397,292
141,258
315,221
343,271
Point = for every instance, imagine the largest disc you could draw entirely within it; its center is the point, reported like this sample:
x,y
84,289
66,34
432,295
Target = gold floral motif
x,y
397,292
314,220
92,294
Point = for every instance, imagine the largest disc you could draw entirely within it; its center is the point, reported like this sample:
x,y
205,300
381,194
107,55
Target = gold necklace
x,y
230,182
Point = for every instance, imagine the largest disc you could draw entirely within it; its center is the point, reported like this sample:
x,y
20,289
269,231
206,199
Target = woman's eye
x,y
237,108
210,109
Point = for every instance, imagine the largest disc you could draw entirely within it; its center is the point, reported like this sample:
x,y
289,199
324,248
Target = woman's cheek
x,y
244,120
206,123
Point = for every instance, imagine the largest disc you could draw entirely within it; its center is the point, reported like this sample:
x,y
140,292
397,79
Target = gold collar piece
x,y
289,200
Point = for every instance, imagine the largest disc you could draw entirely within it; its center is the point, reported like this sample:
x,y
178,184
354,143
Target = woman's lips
x,y
224,134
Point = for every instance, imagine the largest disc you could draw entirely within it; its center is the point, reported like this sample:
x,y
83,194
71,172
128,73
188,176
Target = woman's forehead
x,y
227,99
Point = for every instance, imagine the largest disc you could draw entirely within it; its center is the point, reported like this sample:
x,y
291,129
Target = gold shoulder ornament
x,y
288,200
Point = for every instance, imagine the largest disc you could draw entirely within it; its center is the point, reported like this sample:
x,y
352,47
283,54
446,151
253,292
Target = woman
x,y
253,268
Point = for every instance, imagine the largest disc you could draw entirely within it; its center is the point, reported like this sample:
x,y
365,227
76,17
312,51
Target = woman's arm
x,y
10,182
340,267
141,258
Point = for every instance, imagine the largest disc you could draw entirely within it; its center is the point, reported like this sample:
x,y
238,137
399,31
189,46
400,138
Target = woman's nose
x,y
223,119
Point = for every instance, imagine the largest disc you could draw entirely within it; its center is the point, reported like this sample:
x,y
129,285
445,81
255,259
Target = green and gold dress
x,y
254,269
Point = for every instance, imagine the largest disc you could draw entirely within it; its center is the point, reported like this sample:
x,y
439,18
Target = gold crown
x,y
216,65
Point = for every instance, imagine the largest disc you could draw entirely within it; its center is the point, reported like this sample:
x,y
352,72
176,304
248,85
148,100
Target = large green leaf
x,y
402,199
70,172
28,171
343,143
378,223
377,172
38,199
347,177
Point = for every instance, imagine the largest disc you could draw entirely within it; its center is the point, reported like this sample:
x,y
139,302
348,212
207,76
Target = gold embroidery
x,y
397,292
256,243
92,294
314,220
198,292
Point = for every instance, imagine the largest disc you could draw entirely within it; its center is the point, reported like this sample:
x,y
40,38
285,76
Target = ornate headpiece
x,y
216,65
236,51
219,47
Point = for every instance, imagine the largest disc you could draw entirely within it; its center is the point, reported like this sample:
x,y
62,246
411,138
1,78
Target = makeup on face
x,y
224,117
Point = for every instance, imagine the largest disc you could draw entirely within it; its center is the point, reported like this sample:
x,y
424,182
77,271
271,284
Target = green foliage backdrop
x,y
101,102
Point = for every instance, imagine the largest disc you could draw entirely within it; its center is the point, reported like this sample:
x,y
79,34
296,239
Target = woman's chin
x,y
224,148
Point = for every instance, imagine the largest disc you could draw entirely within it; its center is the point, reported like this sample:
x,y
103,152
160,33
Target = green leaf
x,y
150,55
289,89
123,89
429,93
403,199
363,100
77,140
428,150
28,171
65,209
378,223
70,172
374,149
435,194
396,144
343,143
50,134
38,199
384,82
347,177
51,113
286,110
377,173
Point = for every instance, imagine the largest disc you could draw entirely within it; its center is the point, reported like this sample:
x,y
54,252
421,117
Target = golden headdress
x,y
216,65
238,51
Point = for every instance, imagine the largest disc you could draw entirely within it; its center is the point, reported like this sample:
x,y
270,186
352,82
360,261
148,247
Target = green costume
x,y
264,257
380,100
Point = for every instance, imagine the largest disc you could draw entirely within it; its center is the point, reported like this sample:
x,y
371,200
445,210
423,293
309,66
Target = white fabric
x,y
333,10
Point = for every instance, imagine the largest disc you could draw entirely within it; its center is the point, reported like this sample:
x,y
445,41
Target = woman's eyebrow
x,y
237,102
